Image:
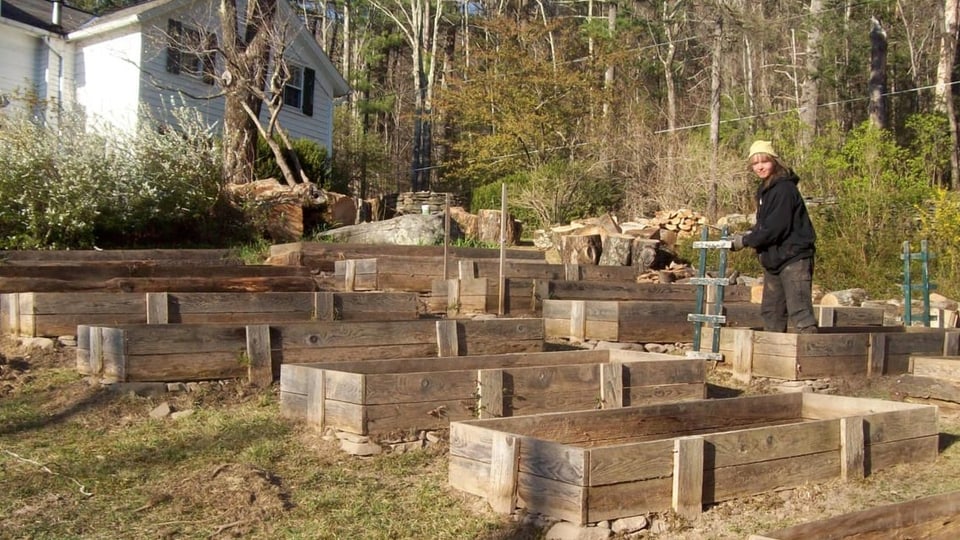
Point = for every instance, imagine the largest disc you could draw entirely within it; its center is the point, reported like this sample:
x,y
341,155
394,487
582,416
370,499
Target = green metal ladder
x,y
924,286
716,319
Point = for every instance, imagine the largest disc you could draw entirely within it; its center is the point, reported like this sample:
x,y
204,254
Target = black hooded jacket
x,y
784,232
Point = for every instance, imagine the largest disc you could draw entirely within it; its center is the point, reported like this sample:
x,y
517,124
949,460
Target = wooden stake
x,y
501,305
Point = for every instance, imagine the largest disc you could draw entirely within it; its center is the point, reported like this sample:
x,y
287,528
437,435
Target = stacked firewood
x,y
683,221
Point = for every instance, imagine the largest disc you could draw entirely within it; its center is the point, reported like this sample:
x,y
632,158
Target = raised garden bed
x,y
56,314
868,350
932,377
184,352
418,274
591,466
637,321
321,256
383,396
933,517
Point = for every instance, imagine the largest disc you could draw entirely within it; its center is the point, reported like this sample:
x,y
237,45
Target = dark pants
x,y
788,296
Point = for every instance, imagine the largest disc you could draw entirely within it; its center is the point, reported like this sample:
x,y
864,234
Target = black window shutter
x,y
210,60
175,33
309,76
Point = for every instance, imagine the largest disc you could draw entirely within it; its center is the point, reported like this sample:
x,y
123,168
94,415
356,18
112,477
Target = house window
x,y
293,90
191,51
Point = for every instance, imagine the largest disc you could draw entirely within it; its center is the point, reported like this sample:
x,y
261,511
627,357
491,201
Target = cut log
x,y
580,249
489,228
616,250
643,254
846,297
466,222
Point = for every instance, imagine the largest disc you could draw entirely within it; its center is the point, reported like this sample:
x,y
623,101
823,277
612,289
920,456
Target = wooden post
x,y
501,301
96,351
11,313
951,343
350,275
316,396
877,354
571,272
851,448
742,354
504,465
260,367
158,308
446,231
827,317
611,385
578,320
83,349
688,476
324,306
490,404
453,297
467,269
448,342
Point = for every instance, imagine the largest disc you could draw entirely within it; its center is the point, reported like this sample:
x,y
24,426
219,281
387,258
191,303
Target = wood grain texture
x,y
927,517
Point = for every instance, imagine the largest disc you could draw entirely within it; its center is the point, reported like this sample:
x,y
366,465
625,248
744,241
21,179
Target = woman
x,y
784,240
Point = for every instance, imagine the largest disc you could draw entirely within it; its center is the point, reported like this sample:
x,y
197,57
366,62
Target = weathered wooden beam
x,y
490,382
688,476
504,469
852,448
260,367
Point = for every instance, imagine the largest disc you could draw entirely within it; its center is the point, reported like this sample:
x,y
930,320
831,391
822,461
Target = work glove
x,y
736,242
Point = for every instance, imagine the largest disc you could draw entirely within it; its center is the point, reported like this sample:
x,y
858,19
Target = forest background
x,y
584,107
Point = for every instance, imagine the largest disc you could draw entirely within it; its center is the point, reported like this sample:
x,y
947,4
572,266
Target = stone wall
x,y
414,202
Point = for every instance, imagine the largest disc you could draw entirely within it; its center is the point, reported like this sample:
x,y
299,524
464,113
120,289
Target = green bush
x,y
67,188
556,192
940,226
313,159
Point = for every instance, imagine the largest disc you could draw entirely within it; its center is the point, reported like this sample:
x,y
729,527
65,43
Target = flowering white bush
x,y
67,187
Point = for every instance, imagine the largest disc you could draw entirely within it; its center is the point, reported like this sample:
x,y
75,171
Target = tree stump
x,y
580,249
616,250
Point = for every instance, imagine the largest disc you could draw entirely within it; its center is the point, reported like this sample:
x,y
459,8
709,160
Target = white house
x,y
115,66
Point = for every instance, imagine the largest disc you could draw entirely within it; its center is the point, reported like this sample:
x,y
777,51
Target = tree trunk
x,y
944,89
810,89
715,117
878,75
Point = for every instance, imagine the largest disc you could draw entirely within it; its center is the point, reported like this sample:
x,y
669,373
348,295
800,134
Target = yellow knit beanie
x,y
762,147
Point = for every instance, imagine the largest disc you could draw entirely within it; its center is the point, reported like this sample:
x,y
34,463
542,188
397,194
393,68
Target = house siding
x,y
163,92
108,80
21,67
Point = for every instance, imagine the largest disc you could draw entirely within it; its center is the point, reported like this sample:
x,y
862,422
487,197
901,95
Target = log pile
x,y
683,221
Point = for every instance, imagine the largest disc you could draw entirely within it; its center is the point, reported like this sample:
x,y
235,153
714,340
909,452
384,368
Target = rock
x,y
181,414
176,387
654,347
659,526
785,388
615,345
67,341
161,411
360,448
630,524
404,447
406,230
142,389
433,437
41,343
564,530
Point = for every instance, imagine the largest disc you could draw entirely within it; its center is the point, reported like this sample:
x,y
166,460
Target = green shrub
x,y
555,192
67,188
940,226
313,159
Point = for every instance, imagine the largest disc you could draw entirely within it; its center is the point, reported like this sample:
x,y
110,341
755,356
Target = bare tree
x,y
251,46
810,88
878,74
